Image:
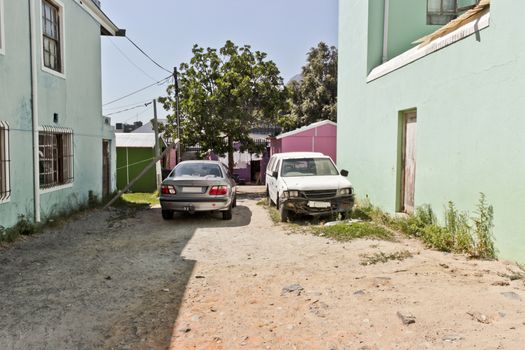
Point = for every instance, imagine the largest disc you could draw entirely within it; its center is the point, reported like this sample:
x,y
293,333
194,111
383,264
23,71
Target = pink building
x,y
317,137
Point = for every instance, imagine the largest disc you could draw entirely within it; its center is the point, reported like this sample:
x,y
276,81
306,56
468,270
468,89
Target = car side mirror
x,y
344,173
275,174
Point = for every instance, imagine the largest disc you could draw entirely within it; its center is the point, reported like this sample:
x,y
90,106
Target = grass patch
x,y
263,201
347,232
460,232
274,215
141,198
22,228
372,259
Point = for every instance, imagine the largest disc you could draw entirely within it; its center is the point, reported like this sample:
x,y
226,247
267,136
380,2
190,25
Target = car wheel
x,y
227,215
285,214
345,215
268,197
167,214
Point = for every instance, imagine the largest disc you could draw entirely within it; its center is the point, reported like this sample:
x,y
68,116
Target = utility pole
x,y
175,76
158,170
156,128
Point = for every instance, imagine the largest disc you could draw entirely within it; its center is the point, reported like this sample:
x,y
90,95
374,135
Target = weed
x,y
263,202
347,232
460,233
372,259
483,225
22,228
274,214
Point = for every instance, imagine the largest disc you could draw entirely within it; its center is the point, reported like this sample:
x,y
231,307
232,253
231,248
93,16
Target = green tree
x,y
223,95
314,97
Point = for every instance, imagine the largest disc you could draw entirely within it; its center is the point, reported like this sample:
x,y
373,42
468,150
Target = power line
x,y
110,109
160,82
130,61
128,109
145,54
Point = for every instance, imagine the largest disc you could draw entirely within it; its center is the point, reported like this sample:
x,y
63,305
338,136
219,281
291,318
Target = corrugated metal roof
x,y
144,140
308,127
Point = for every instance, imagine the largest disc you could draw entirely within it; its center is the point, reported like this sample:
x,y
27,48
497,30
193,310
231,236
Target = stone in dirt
x,y
452,337
318,308
511,295
359,292
501,283
478,316
406,317
293,288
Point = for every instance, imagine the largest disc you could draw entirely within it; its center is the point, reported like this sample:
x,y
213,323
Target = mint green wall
x,y
469,100
407,22
137,159
76,98
376,10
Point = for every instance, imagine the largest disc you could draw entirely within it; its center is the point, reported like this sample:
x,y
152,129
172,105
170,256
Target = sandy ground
x,y
113,281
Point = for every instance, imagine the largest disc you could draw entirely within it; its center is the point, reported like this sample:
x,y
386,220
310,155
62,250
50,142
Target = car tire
x,y
227,215
285,214
346,215
167,214
268,197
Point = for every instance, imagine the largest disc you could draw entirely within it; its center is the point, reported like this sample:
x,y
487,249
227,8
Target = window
x,y
5,186
308,167
441,12
51,36
56,158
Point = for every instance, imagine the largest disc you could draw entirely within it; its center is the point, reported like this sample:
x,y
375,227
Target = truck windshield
x,y
308,167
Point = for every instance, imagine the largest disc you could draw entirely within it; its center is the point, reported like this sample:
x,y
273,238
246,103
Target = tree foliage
x,y
314,96
223,95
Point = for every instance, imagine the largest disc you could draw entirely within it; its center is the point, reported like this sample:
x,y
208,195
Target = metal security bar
x,y
56,157
5,185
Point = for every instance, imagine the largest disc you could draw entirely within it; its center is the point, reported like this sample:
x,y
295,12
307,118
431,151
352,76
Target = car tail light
x,y
218,190
168,189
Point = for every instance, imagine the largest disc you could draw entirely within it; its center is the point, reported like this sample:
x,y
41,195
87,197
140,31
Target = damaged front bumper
x,y
314,207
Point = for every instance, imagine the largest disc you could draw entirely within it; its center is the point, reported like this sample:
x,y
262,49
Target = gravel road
x,y
125,280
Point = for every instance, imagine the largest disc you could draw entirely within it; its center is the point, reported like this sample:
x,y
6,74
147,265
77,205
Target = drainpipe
x,y
385,30
34,106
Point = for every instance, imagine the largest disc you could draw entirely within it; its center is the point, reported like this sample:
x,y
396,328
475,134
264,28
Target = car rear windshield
x,y
308,167
197,170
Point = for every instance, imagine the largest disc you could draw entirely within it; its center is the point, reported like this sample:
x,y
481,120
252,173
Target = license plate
x,y
314,204
192,189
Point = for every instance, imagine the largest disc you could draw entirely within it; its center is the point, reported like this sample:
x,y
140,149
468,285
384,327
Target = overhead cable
x,y
160,82
148,56
130,61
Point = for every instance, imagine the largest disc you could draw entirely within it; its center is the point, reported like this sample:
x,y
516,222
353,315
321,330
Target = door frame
x,y
401,153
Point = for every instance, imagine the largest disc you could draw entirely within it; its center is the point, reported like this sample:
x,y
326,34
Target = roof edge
x,y
107,26
306,128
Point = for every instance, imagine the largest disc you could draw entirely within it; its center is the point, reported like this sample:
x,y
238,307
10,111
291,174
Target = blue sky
x,y
167,30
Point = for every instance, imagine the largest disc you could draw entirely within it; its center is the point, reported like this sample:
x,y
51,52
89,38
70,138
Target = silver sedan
x,y
198,185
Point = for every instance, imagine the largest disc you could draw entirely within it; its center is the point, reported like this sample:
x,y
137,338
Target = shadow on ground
x,y
111,279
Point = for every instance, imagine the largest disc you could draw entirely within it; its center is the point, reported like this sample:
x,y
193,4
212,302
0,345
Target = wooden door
x,y
106,168
409,162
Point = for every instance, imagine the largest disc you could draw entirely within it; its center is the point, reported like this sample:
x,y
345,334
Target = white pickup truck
x,y
307,183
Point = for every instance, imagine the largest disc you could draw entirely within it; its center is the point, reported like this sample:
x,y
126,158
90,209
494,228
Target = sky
x,y
168,29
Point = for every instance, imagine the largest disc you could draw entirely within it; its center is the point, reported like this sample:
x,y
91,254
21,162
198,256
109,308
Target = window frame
x,y
2,28
442,13
5,163
61,37
55,156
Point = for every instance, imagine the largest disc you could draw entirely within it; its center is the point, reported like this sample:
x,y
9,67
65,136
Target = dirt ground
x,y
124,280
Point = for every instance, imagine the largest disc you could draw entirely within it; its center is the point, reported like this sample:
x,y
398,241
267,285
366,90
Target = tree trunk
x,y
230,154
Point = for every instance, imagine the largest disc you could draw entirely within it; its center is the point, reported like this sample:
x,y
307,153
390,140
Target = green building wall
x,y
469,101
130,162
76,98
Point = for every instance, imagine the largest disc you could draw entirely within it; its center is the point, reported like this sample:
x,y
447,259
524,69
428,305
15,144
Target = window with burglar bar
x,y
56,158
51,40
5,185
440,12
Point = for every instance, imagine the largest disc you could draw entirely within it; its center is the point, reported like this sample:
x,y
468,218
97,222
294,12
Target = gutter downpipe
x,y
34,107
385,30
